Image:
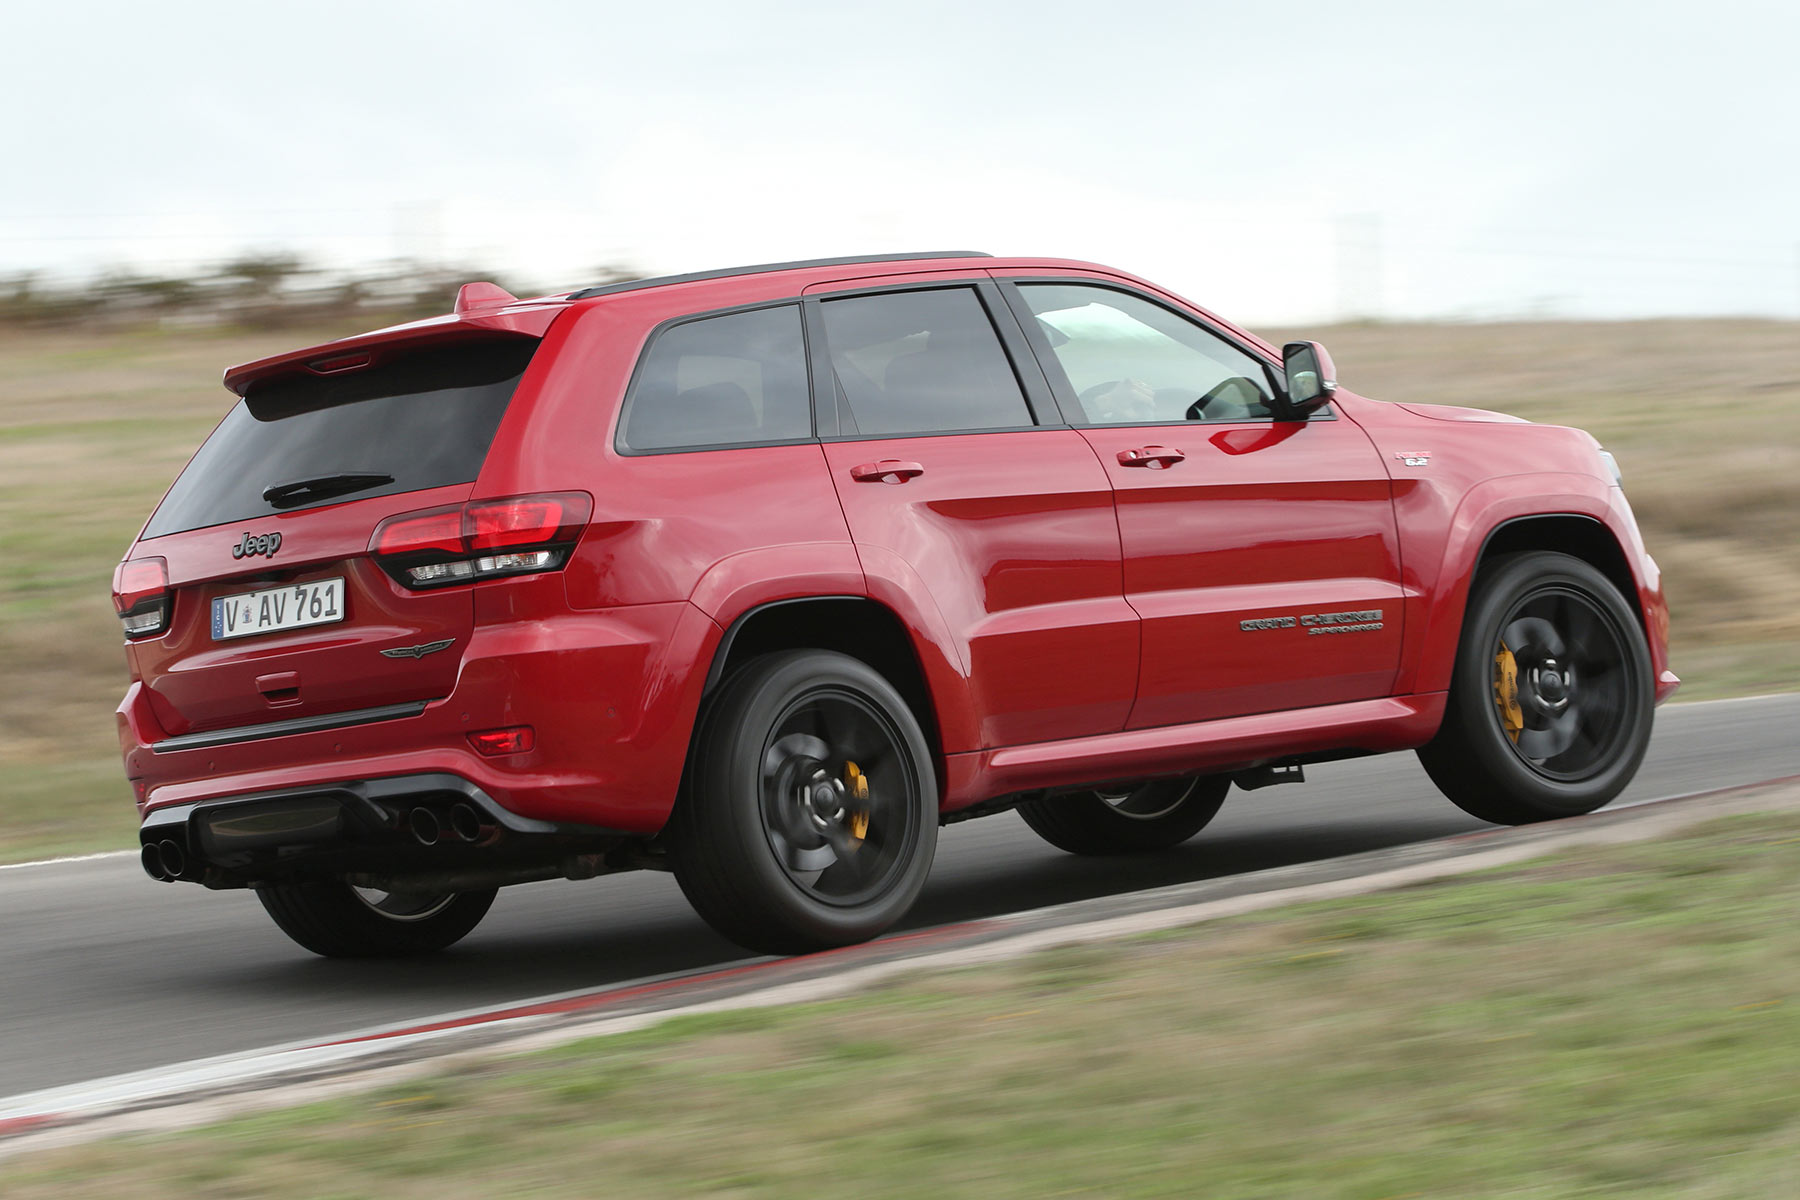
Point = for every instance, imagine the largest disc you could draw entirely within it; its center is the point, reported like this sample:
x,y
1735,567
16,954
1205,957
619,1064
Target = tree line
x,y
256,290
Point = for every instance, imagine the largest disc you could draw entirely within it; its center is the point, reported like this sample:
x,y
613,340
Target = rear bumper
x,y
409,833
610,695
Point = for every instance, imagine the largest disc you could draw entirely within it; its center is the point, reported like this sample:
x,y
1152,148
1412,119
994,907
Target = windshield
x,y
413,422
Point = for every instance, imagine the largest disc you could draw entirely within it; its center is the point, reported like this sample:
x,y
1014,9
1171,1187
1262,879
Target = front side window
x,y
921,362
1130,361
727,380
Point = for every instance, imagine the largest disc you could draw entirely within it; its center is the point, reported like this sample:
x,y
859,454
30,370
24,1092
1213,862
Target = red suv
x,y
761,575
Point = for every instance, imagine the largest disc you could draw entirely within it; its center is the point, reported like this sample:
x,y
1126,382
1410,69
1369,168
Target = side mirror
x,y
1311,379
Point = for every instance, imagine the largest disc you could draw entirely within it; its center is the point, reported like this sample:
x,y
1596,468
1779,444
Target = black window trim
x,y
1034,386
799,264
1064,392
625,450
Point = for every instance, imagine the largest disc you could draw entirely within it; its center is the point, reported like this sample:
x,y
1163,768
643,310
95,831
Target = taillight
x,y
519,535
141,596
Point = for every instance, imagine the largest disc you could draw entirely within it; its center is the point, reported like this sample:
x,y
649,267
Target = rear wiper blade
x,y
287,495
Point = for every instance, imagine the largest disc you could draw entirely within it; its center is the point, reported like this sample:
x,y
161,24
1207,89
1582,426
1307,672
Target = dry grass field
x,y
1703,415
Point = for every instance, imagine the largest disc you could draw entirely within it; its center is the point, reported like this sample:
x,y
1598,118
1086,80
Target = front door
x,y
1262,555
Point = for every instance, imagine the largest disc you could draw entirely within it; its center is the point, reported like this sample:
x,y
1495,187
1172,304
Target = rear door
x,y
953,488
1262,555
278,611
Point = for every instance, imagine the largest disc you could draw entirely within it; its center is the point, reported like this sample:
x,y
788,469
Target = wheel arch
x,y
857,626
1576,534
1574,528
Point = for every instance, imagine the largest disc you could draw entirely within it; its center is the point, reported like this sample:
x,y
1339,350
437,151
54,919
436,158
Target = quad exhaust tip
x,y
463,823
165,861
426,828
466,823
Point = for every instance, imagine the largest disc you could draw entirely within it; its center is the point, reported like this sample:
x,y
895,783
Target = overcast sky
x,y
1278,162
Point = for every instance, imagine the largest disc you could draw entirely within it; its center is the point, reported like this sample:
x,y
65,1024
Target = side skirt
x,y
1229,744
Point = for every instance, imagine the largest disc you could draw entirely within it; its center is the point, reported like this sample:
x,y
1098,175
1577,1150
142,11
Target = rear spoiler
x,y
480,313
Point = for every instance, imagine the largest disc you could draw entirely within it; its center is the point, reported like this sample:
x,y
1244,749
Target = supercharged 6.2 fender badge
x,y
419,651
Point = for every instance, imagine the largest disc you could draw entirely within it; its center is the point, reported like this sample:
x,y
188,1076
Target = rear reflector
x,y
516,739
484,538
141,596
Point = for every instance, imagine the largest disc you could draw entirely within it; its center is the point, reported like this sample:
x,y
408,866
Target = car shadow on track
x,y
635,927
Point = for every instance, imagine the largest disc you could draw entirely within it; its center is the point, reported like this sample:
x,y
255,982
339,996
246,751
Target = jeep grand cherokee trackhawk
x,y
762,575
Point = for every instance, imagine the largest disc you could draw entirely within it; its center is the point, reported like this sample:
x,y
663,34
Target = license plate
x,y
292,607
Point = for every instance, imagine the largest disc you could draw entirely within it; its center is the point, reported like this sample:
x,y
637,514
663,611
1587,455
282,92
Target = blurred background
x,y
1307,163
1576,213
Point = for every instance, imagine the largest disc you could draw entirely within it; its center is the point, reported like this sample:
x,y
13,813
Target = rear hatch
x,y
276,610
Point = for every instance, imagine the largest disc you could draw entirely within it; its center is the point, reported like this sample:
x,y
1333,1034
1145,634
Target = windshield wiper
x,y
288,495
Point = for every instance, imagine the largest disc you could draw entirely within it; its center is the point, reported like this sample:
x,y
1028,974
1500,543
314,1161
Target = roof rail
x,y
632,285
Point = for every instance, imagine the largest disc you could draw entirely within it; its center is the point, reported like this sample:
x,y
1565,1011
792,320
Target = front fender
x,y
1441,568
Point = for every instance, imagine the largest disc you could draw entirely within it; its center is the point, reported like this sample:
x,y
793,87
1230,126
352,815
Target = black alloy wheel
x,y
1561,683
837,795
1550,703
334,919
809,815
1156,815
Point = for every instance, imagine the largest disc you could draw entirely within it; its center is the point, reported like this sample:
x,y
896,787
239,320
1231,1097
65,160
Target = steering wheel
x,y
1239,390
1088,395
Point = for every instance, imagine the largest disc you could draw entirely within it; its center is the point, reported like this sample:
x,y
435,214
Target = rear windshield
x,y
414,422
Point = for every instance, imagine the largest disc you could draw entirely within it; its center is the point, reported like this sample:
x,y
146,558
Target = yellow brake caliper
x,y
856,786
1506,693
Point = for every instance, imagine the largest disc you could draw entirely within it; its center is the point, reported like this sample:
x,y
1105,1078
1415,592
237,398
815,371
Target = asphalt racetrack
x,y
103,971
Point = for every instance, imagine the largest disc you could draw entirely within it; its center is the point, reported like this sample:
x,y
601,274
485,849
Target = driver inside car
x,y
1132,401
1121,402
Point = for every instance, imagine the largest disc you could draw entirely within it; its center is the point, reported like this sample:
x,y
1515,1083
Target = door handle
x,y
1154,457
888,470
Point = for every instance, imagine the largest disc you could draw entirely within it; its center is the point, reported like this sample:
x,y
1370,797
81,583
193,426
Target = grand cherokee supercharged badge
x,y
1365,620
1360,620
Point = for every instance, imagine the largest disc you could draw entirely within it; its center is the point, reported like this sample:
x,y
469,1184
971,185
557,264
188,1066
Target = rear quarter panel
x,y
724,530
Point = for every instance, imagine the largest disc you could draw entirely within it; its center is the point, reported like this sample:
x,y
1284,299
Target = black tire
x,y
1157,815
337,921
754,841
1579,716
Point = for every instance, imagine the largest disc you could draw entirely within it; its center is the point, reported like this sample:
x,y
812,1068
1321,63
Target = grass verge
x,y
73,806
1618,1022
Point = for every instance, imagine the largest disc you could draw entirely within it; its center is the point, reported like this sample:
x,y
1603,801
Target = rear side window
x,y
412,422
720,381
921,362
